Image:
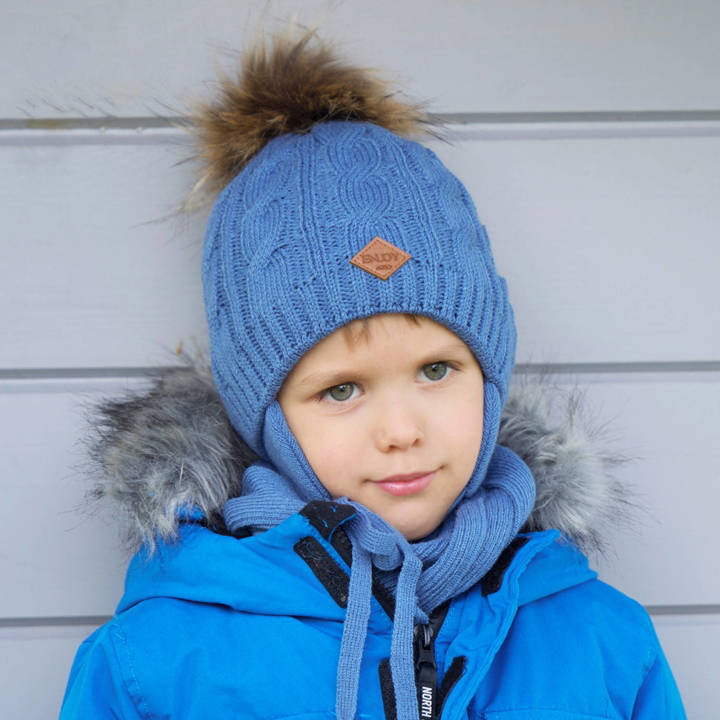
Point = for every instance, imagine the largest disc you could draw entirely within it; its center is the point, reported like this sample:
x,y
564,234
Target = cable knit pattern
x,y
276,262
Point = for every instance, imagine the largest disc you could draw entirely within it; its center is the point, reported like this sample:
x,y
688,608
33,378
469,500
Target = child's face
x,y
406,399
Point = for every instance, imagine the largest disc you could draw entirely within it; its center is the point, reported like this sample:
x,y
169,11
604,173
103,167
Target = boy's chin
x,y
426,535
414,531
416,536
413,523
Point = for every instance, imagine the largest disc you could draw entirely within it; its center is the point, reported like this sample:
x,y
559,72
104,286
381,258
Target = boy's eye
x,y
436,370
432,371
341,392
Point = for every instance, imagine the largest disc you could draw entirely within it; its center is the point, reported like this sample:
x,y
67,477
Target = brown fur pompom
x,y
287,89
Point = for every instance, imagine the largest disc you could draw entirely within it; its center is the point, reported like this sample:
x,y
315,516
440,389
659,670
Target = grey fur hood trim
x,y
154,451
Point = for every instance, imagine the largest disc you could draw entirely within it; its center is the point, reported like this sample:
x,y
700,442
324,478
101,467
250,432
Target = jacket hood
x,y
170,446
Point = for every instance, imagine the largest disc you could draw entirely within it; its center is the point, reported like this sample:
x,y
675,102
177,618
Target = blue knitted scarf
x,y
422,575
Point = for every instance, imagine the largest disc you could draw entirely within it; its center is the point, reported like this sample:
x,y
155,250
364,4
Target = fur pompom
x,y
287,88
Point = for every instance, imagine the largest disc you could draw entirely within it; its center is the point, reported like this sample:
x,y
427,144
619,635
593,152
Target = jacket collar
x,y
314,575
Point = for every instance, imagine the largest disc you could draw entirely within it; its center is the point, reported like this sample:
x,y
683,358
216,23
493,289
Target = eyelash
x,y
325,394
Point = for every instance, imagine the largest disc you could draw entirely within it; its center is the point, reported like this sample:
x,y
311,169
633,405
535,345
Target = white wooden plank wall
x,y
589,136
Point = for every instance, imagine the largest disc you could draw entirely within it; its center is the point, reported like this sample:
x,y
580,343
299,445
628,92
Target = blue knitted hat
x,y
329,221
277,263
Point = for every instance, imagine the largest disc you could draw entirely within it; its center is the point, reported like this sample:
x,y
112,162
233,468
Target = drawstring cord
x,y
354,632
375,545
402,665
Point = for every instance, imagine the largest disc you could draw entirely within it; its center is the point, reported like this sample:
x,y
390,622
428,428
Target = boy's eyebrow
x,y
333,377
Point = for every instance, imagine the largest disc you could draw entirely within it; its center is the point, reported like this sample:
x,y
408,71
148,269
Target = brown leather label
x,y
380,258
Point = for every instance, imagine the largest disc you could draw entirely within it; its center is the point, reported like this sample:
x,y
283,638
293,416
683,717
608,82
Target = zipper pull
x,y
425,672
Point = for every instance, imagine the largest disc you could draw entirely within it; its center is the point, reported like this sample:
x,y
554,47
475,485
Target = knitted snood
x,y
481,523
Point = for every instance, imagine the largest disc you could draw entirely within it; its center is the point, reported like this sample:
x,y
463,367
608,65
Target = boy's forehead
x,y
365,337
396,341
385,328
382,323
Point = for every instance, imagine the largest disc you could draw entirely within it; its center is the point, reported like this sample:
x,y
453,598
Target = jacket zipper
x,y
425,665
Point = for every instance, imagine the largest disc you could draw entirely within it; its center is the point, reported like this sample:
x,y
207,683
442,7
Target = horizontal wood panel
x,y
35,665
37,662
59,556
134,58
609,246
58,561
691,645
92,271
668,424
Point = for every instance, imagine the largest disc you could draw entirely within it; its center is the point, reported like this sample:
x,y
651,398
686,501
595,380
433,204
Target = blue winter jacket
x,y
213,626
220,627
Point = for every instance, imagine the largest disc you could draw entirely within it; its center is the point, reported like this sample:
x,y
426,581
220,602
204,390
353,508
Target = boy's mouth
x,y
406,484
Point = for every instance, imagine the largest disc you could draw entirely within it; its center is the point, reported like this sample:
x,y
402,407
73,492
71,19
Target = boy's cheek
x,y
331,463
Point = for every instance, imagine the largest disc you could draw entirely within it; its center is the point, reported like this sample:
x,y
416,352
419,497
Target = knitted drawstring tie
x,y
375,542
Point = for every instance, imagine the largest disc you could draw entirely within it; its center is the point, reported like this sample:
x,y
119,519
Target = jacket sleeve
x,y
659,697
98,684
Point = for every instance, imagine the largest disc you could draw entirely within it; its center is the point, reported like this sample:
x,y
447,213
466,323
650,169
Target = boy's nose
x,y
398,425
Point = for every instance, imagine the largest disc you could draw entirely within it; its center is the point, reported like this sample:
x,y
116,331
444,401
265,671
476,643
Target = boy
x,y
371,562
